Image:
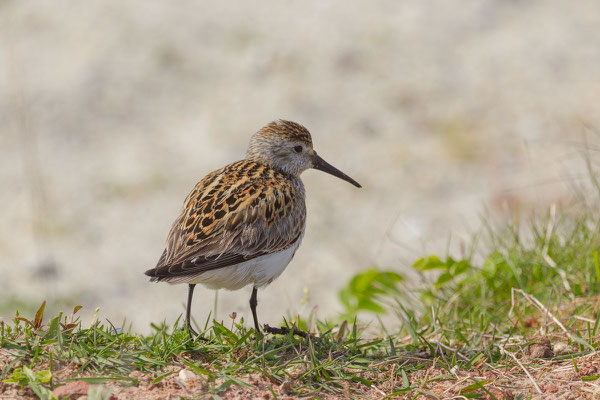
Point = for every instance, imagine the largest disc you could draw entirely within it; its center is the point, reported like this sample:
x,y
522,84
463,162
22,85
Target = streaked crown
x,y
290,130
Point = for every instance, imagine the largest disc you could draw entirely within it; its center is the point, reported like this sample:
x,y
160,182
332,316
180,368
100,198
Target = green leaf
x,y
43,376
366,290
589,378
34,383
460,267
443,278
39,316
18,377
163,376
53,328
405,381
99,392
474,386
358,379
431,262
370,305
239,382
197,370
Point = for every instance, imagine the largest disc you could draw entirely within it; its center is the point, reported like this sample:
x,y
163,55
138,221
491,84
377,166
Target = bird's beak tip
x,y
324,166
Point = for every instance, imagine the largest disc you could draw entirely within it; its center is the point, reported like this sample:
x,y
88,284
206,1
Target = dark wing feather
x,y
241,212
198,265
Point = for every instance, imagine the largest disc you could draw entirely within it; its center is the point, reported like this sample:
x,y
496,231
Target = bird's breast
x,y
258,272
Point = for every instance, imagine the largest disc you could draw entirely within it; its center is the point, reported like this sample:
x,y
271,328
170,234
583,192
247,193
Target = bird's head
x,y
287,146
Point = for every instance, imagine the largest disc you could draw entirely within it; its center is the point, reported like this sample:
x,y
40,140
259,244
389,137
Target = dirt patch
x,y
555,379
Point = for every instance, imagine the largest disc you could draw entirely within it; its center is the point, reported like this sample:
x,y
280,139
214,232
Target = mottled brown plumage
x,y
243,223
234,214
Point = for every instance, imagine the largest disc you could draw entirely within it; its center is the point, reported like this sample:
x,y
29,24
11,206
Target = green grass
x,y
467,329
103,353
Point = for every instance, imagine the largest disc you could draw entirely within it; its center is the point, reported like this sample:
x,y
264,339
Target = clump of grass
x,y
104,353
528,280
548,263
552,258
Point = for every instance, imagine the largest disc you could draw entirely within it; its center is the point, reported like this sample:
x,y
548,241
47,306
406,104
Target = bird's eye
x,y
298,149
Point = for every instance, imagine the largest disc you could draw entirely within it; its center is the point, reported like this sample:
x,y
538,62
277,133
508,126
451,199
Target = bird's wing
x,y
240,212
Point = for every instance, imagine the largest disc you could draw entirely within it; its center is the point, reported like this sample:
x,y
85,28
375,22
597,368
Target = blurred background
x,y
111,111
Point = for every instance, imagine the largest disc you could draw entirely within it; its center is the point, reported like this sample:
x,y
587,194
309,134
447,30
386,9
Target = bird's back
x,y
235,214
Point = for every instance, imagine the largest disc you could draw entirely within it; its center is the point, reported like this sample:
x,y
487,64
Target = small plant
x,y
452,272
24,376
36,323
551,258
370,291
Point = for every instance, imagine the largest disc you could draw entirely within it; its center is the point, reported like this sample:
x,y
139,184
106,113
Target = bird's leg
x,y
253,304
279,331
188,310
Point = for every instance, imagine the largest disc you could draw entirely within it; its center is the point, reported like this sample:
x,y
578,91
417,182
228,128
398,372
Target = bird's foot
x,y
284,330
195,335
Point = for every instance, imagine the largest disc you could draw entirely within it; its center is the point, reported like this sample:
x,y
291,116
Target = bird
x,y
242,224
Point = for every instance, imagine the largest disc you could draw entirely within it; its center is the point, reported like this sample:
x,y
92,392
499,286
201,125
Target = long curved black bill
x,y
324,166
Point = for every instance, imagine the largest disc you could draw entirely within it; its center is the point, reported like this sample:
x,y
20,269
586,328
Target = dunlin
x,y
242,224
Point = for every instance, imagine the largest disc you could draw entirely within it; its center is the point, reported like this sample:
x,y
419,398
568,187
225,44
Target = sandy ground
x,y
111,111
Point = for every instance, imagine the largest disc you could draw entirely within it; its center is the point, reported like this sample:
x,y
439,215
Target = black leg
x,y
253,303
188,310
268,329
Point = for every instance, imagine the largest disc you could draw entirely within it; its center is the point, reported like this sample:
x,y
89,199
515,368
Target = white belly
x,y
258,272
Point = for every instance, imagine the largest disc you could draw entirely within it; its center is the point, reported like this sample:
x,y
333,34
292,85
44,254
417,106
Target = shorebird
x,y
242,224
